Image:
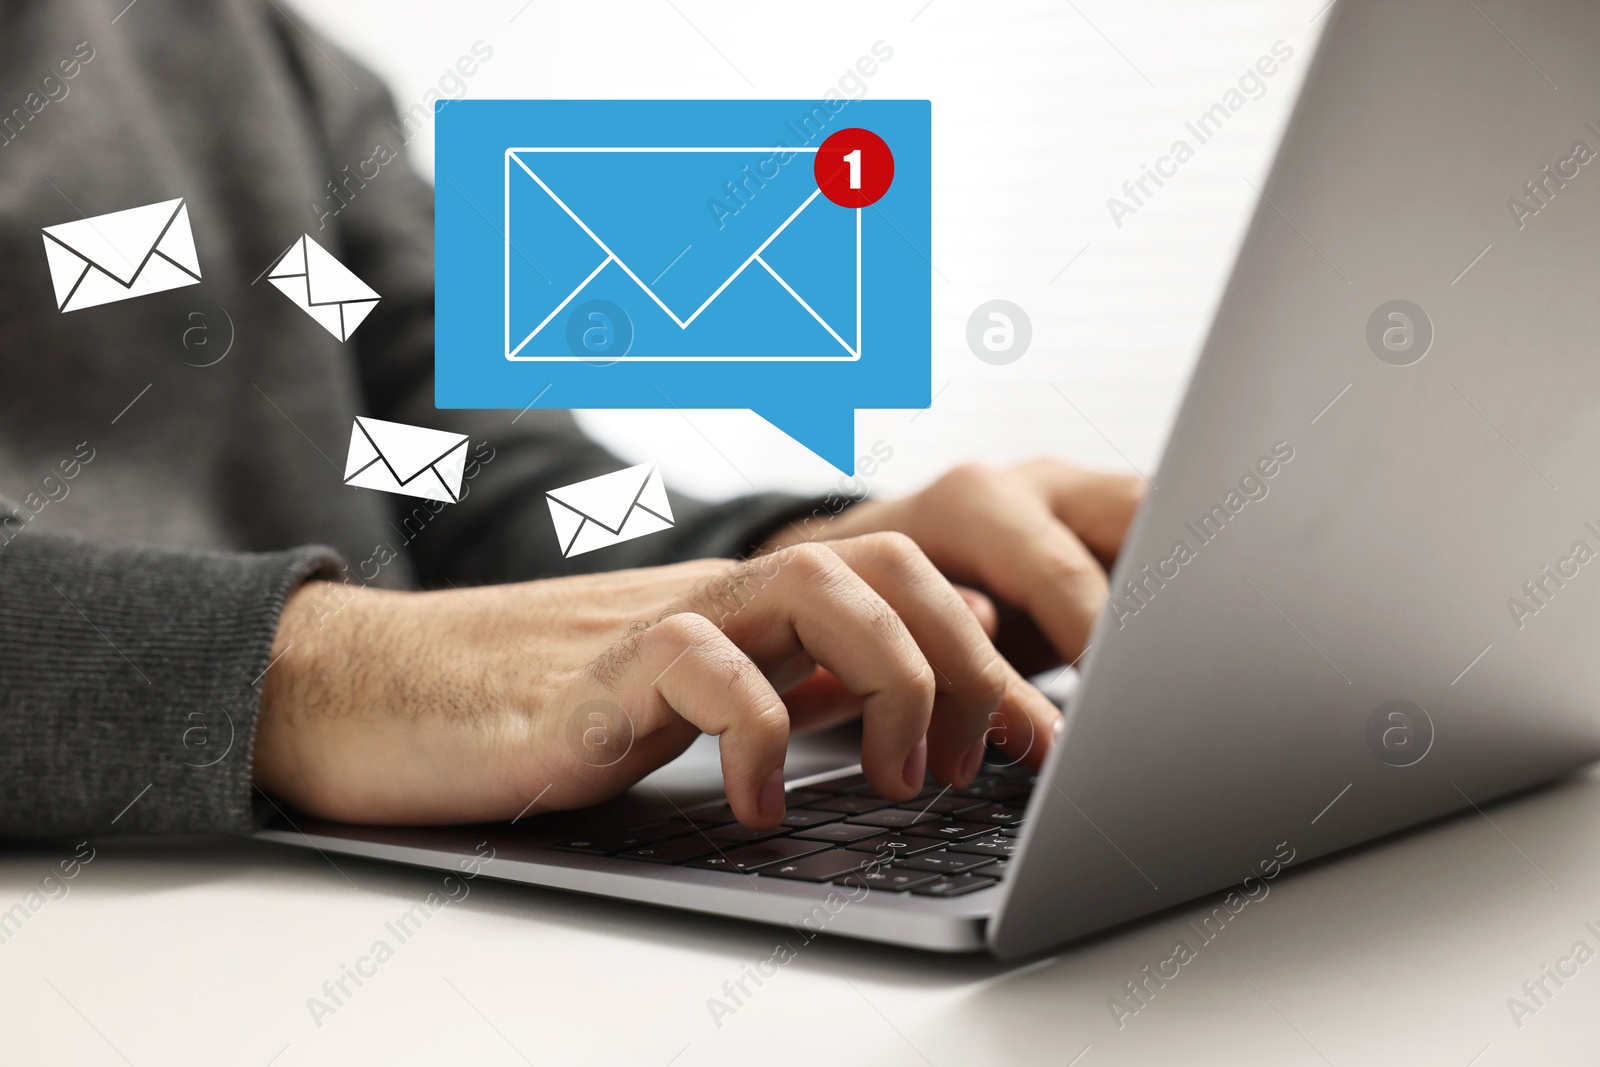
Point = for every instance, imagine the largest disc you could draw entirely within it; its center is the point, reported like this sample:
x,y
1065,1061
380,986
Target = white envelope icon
x,y
121,255
604,511
409,460
323,287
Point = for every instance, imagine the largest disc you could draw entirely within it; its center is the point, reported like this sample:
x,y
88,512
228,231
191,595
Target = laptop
x,y
1364,591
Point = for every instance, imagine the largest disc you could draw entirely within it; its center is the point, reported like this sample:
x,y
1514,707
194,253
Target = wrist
x,y
289,684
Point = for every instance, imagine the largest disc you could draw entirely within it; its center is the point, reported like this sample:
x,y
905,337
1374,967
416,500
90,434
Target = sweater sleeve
x,y
130,679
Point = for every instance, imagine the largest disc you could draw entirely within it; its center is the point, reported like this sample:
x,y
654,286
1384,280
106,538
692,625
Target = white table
x,y
207,953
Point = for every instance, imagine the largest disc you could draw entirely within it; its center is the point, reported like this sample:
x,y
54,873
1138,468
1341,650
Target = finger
x,y
708,682
820,702
789,673
982,609
1005,537
1027,557
1057,580
1098,506
1024,730
974,682
847,627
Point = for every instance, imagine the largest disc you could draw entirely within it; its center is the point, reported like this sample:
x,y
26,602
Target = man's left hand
x,y
1039,536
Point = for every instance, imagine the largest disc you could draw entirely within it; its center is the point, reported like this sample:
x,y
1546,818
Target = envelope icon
x,y
604,511
323,287
696,271
121,255
410,460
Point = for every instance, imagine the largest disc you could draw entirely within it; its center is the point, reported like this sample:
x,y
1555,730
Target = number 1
x,y
854,159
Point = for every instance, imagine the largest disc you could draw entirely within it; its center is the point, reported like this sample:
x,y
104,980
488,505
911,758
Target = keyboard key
x,y
799,817
888,878
941,862
755,857
895,844
950,831
998,816
997,791
997,869
892,818
673,827
710,815
602,844
819,867
840,785
675,850
850,804
930,789
986,846
952,805
954,886
841,833
796,797
743,835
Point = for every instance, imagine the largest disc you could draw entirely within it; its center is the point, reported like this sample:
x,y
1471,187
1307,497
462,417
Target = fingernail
x,y
916,767
971,760
771,802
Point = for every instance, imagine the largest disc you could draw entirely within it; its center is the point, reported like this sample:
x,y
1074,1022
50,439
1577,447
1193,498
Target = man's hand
x,y
1039,536
469,705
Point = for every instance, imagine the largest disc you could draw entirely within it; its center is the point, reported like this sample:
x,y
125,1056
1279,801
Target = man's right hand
x,y
467,705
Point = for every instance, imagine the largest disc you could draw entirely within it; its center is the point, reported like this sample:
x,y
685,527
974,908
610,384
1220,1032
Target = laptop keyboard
x,y
945,843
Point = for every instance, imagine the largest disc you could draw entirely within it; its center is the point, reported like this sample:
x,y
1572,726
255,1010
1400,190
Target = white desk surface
x,y
1404,952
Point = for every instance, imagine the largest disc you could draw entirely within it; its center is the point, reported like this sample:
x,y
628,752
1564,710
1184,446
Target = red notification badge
x,y
853,168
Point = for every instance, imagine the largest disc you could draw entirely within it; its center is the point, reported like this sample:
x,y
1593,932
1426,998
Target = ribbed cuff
x,y
130,679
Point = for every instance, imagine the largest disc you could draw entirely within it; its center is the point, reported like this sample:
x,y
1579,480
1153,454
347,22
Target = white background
x,y
1041,111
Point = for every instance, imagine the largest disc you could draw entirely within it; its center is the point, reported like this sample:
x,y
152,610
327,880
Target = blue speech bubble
x,y
680,254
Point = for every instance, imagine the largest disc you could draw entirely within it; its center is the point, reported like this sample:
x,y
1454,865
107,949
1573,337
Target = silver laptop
x,y
1364,593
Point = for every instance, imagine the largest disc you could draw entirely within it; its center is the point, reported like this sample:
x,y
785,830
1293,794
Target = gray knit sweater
x,y
161,499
